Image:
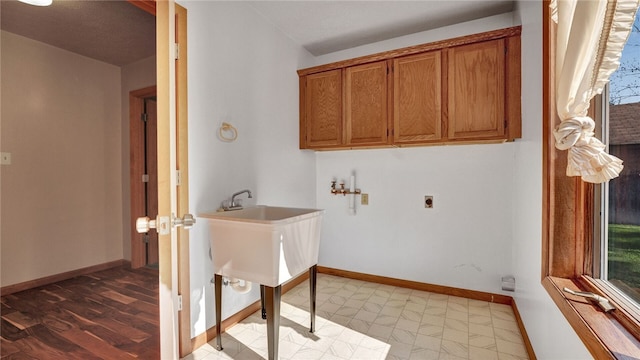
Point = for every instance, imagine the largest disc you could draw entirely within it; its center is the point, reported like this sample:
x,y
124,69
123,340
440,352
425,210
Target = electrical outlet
x,y
428,201
364,199
5,158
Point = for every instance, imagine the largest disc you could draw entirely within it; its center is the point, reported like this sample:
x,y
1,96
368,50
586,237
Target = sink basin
x,y
267,245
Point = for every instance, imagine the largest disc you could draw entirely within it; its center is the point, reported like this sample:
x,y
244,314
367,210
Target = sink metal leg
x,y
313,277
218,300
272,302
264,310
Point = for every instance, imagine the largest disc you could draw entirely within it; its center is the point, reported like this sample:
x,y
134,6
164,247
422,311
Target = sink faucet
x,y
233,205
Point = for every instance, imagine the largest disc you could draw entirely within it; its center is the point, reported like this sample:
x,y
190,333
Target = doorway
x,y
143,173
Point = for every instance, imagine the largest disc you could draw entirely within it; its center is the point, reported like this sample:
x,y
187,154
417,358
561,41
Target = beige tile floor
x,y
368,321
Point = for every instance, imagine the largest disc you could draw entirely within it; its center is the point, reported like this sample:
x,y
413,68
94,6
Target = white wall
x,y
61,197
464,241
241,71
487,216
486,221
549,332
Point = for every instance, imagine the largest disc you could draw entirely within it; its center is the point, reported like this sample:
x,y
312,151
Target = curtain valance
x,y
590,38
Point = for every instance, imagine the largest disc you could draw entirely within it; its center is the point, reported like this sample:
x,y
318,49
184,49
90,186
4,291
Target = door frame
x,y
136,159
182,165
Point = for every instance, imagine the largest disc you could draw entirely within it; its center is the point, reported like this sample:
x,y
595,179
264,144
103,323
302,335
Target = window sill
x,y
603,334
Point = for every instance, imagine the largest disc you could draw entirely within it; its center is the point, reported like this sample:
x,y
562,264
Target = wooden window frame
x,y
567,238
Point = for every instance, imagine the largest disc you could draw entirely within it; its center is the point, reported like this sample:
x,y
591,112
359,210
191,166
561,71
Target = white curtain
x,y
590,37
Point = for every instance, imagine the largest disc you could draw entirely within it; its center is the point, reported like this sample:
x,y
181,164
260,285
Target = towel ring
x,y
227,129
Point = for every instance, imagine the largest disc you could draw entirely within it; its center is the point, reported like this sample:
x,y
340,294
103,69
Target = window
x,y
569,223
619,233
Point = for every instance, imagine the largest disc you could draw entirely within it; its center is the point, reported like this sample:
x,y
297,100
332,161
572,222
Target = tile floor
x,y
367,321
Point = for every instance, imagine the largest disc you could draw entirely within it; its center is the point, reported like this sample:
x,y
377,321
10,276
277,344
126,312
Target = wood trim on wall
x,y
146,5
438,289
562,201
136,166
10,289
523,331
548,111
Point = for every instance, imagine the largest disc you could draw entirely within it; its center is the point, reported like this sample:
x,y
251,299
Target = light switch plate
x,y
5,158
364,199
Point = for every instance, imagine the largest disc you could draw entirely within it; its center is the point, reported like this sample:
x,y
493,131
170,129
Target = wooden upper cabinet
x,y
477,90
461,90
366,104
417,98
322,110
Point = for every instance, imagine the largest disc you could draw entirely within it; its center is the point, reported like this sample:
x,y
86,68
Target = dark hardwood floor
x,y
111,314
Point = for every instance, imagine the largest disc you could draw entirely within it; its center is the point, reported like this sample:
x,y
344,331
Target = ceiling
x,y
118,33
326,26
115,32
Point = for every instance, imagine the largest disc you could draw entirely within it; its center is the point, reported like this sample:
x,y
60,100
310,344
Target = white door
x,y
172,217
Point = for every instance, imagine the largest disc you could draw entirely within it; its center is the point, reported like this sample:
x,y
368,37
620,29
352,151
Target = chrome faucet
x,y
237,206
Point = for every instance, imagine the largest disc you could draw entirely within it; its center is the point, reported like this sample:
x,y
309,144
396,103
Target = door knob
x,y
186,222
160,223
144,224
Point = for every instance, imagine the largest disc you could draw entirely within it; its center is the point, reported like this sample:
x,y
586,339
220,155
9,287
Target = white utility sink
x,y
264,244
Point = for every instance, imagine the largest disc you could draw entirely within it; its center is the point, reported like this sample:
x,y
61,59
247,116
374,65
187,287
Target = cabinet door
x,y
323,109
476,90
417,93
366,104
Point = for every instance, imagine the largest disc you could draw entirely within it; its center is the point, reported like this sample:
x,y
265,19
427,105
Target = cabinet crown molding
x,y
416,49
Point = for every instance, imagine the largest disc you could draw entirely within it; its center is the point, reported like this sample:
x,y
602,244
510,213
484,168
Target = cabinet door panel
x,y
417,83
476,90
366,104
323,109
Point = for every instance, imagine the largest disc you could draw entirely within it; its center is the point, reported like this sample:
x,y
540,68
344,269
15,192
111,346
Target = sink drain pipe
x,y
241,286
236,285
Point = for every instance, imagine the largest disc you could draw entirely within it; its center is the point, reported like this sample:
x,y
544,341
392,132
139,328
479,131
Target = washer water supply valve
x,y
352,192
342,190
